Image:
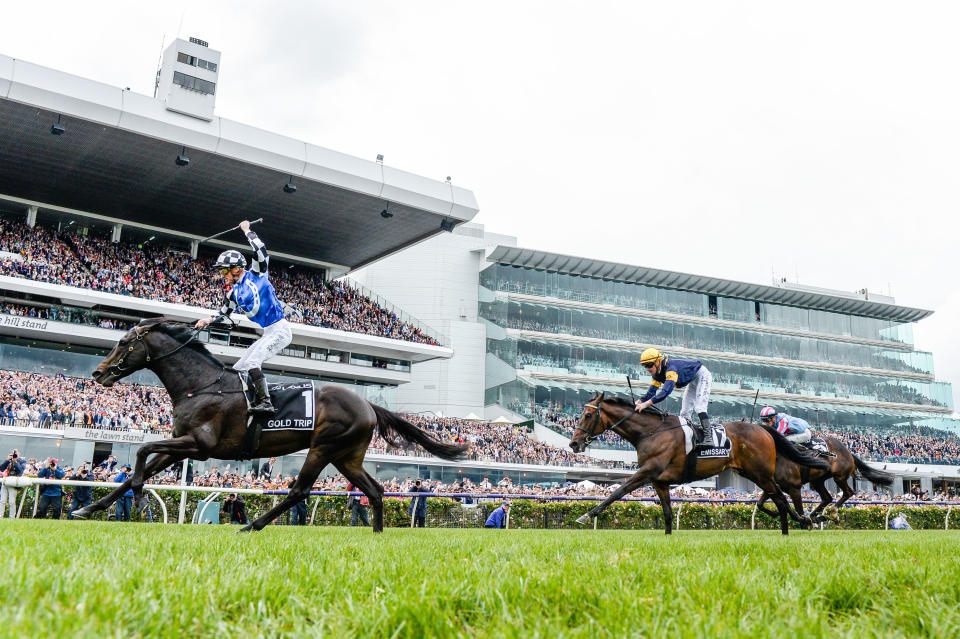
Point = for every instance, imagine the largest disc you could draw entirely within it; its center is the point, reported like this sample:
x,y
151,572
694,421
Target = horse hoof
x,y
80,514
247,528
582,519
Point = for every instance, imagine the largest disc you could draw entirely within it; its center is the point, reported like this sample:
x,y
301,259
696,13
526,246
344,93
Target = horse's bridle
x,y
118,365
591,436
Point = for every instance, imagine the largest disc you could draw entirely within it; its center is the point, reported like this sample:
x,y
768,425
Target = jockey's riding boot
x,y
702,429
263,405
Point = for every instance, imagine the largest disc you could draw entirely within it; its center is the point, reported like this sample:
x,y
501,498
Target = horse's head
x,y
134,351
591,425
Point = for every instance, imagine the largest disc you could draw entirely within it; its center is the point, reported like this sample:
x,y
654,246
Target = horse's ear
x,y
602,395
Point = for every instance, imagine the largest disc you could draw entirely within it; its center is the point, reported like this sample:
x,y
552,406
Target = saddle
x,y
819,445
294,404
715,445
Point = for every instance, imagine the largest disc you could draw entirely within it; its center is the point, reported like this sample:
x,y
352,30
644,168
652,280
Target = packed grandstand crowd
x,y
159,273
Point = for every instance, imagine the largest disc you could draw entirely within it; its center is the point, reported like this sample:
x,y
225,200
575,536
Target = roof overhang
x,y
599,269
116,159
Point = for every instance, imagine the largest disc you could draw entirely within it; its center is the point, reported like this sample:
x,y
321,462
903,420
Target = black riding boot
x,y
263,405
701,430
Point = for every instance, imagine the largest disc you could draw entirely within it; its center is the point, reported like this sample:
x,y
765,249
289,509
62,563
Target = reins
x,y
118,365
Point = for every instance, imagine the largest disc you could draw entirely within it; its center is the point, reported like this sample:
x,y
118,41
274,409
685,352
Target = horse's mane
x,y
626,403
181,333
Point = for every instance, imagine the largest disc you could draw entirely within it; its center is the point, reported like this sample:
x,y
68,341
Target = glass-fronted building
x,y
561,328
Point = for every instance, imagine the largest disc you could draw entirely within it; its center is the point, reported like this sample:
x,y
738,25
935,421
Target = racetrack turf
x,y
131,580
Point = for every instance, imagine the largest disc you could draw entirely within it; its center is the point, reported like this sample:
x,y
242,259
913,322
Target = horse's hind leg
x,y
301,488
825,497
353,470
663,492
797,511
847,492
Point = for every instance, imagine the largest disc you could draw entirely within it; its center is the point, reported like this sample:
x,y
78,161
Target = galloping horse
x,y
659,441
210,420
790,478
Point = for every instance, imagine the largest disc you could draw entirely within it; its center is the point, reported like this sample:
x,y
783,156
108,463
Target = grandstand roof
x,y
116,159
600,269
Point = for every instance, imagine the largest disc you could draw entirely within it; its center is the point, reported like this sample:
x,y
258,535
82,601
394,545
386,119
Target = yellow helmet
x,y
650,355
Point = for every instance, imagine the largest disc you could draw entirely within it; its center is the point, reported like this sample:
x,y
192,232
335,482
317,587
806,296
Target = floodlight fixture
x,y
182,159
57,129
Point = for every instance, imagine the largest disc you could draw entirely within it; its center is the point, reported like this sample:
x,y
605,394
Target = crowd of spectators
x,y
62,314
42,401
159,272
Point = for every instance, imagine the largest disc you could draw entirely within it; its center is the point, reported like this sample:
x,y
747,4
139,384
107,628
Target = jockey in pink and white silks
x,y
793,428
252,293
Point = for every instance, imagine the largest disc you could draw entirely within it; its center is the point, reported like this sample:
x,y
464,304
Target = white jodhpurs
x,y
8,495
696,396
276,337
799,438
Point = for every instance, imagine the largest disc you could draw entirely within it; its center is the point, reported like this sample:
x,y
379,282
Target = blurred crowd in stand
x,y
158,272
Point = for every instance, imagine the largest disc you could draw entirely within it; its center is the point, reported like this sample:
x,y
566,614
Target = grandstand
x,y
547,331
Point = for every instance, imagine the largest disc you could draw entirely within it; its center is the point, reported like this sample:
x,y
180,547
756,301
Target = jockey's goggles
x,y
225,270
650,365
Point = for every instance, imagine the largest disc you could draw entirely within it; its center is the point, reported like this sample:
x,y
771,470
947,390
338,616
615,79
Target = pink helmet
x,y
768,411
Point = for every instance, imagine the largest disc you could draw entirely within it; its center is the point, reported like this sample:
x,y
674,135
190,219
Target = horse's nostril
x,y
95,374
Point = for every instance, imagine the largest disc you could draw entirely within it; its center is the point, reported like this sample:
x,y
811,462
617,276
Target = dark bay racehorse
x,y
210,420
661,456
790,478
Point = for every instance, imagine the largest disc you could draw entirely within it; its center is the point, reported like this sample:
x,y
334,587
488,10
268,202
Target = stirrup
x,y
264,407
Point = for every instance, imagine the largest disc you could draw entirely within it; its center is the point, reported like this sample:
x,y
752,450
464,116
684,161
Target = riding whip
x,y
232,228
755,397
630,386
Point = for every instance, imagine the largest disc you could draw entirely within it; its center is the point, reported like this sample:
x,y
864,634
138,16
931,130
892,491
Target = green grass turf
x,y
95,579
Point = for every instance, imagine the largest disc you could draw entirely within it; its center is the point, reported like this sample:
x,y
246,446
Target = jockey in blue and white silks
x,y
793,428
252,293
690,375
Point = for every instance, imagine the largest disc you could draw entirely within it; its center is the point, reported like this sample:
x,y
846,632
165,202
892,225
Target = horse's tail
x,y
390,423
878,477
786,448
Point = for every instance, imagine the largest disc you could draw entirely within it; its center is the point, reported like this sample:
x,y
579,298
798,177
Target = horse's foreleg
x,y
353,471
760,505
635,480
173,449
311,468
153,466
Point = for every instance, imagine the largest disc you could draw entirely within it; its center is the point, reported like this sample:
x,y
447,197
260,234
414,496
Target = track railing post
x,y
886,519
183,495
163,506
753,517
679,510
946,522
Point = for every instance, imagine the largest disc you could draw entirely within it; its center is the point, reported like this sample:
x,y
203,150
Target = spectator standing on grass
x,y
12,467
498,518
125,503
82,495
236,509
418,505
299,509
51,495
358,507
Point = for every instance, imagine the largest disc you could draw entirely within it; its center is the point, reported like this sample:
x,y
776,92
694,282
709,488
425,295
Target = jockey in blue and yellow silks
x,y
690,375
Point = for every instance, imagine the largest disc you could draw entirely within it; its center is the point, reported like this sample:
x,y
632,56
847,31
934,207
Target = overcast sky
x,y
818,141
